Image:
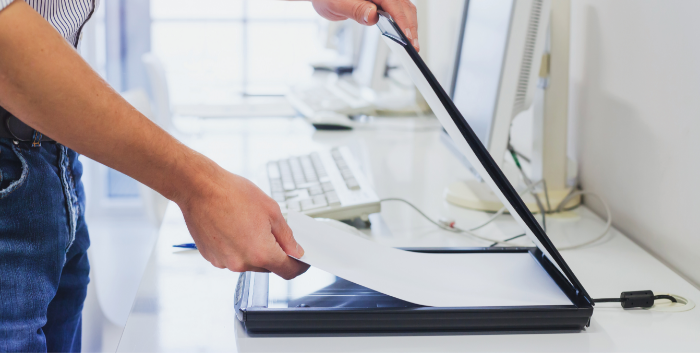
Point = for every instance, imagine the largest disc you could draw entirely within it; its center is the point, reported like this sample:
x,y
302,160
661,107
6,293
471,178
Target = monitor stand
x,y
476,195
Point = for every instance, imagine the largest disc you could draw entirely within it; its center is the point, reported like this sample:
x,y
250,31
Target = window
x,y
222,50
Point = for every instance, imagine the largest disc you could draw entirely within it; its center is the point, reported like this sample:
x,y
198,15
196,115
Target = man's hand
x,y
237,226
365,12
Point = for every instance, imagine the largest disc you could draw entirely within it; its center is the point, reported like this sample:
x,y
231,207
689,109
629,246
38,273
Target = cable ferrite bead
x,y
637,299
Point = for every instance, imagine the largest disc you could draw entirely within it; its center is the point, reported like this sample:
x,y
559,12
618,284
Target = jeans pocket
x,y
13,169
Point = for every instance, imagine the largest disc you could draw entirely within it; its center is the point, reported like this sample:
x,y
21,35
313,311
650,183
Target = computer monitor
x,y
360,48
495,78
342,47
371,64
497,65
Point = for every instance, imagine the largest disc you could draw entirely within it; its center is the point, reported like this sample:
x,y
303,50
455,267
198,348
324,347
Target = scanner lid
x,y
471,147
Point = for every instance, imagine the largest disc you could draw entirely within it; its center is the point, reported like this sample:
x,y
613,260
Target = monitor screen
x,y
364,73
480,62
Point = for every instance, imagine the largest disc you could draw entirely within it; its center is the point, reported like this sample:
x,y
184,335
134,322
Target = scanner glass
x,y
319,289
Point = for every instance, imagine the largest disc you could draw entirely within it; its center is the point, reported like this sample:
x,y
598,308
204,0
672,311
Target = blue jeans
x,y
43,248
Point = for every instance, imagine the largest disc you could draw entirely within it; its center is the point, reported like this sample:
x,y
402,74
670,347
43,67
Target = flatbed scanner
x,y
319,302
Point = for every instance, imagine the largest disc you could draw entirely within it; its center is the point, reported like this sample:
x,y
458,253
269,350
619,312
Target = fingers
x,y
285,266
326,12
273,256
412,17
256,269
364,12
404,14
285,238
235,264
231,262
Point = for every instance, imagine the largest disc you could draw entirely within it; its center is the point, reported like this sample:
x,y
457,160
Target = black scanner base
x,y
345,307
428,320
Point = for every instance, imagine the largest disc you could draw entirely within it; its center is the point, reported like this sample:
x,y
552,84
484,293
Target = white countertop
x,y
185,304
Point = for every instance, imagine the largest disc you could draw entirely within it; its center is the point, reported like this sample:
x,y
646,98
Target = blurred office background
x,y
632,119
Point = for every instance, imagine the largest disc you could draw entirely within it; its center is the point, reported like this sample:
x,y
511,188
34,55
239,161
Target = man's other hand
x,y
365,12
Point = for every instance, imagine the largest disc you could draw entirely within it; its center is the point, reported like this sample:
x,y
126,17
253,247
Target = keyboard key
x,y
352,184
309,171
327,187
309,204
306,185
278,196
318,163
341,164
333,198
347,174
315,190
294,206
298,194
311,176
320,201
286,173
276,185
297,171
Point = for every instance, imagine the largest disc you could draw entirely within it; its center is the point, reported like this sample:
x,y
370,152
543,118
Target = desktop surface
x,y
185,304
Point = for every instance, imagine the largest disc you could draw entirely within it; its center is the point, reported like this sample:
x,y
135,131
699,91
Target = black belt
x,y
13,128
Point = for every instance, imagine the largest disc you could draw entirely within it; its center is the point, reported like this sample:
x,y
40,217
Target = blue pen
x,y
186,246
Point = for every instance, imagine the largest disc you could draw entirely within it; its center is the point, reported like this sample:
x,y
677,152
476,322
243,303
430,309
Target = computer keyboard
x,y
325,184
310,100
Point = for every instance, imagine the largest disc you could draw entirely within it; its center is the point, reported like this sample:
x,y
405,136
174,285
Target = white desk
x,y
185,304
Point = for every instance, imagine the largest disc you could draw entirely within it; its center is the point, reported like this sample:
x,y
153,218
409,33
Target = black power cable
x,y
528,182
637,299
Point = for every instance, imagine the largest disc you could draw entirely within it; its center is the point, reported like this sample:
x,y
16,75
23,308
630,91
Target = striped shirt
x,y
67,16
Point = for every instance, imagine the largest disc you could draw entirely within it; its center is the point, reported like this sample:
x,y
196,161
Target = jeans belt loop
x,y
36,139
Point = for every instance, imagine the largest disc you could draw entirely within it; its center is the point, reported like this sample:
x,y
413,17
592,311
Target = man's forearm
x,y
47,85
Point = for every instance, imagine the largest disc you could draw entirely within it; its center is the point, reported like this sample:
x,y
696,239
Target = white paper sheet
x,y
441,280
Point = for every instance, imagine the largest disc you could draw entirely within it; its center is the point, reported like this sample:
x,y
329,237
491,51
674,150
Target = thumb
x,y
285,238
362,11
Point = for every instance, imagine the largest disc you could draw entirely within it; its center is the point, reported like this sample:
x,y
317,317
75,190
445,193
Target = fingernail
x,y
367,15
408,33
300,250
415,44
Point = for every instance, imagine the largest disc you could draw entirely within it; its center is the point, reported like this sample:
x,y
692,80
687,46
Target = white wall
x,y
634,105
